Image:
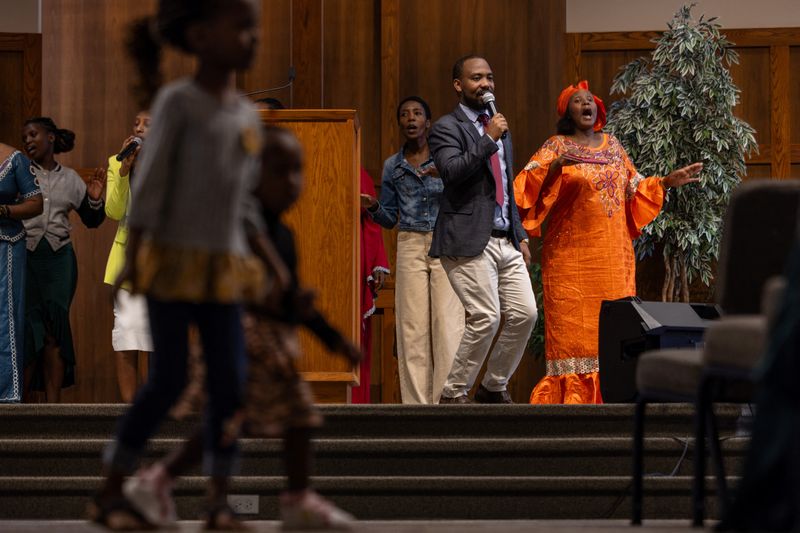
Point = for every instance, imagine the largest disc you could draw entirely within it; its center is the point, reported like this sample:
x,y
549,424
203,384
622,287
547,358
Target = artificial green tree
x,y
678,110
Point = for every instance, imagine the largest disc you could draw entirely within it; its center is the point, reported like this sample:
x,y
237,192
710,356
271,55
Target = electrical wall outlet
x,y
244,503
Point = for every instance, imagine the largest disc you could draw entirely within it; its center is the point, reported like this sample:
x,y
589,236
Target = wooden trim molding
x,y
764,155
346,377
572,58
309,115
390,74
643,40
780,127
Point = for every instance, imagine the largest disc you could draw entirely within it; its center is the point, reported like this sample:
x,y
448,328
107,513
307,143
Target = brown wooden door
x,y
20,83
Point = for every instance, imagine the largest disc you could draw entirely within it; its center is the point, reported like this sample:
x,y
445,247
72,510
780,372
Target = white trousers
x,y
430,320
493,284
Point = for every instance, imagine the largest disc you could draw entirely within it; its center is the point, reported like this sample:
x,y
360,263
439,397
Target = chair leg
x,y
638,461
716,456
699,487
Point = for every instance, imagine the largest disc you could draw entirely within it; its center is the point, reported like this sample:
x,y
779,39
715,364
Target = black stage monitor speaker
x,y
630,326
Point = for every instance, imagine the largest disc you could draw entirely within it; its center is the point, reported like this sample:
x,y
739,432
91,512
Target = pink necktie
x,y
494,161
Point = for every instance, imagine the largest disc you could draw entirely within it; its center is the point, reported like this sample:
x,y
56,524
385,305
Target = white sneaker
x,y
308,510
150,493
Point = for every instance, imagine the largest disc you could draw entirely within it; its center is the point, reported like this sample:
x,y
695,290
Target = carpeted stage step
x,y
392,421
391,498
593,456
393,462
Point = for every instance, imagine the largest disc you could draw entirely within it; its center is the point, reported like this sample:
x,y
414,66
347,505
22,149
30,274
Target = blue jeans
x,y
222,339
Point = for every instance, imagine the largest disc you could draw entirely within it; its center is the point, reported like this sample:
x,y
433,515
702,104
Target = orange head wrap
x,y
566,94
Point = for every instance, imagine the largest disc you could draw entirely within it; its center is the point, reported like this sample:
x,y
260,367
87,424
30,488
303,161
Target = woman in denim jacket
x,y
430,318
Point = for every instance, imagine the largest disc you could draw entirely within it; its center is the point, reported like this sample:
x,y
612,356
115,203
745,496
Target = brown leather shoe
x,y
484,395
457,400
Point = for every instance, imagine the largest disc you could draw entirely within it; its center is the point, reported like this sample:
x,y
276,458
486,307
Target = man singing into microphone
x,y
479,237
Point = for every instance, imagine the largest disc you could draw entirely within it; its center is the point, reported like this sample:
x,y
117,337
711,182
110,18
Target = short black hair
x,y
565,124
64,139
272,103
417,99
458,66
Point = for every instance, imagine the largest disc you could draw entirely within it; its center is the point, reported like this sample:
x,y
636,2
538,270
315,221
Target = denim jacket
x,y
416,198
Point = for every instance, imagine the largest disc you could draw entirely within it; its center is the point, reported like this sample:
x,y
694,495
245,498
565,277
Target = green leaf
x,y
679,109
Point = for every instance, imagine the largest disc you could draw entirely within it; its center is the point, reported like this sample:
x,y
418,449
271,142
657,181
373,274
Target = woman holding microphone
x,y
131,333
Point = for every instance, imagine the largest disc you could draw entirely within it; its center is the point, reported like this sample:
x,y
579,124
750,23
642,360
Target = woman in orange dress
x,y
595,202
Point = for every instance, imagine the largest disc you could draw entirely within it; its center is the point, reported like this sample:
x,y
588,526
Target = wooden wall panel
x,y
779,112
793,111
352,68
390,75
10,97
595,67
307,53
751,75
87,75
523,42
271,65
756,172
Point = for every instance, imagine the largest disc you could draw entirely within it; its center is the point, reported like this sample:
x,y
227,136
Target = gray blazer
x,y
466,209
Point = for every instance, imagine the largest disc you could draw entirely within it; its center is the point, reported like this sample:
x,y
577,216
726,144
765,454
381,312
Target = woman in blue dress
x,y
20,199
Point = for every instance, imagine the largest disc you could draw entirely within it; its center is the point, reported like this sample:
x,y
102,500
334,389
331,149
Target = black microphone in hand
x,y
489,101
129,148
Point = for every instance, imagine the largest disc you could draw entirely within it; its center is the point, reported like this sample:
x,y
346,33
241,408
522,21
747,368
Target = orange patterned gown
x,y
593,213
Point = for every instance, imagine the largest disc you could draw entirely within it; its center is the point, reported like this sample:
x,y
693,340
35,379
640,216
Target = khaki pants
x,y
491,285
430,320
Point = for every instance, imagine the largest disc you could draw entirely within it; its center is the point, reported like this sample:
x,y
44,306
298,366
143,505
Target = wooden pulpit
x,y
326,222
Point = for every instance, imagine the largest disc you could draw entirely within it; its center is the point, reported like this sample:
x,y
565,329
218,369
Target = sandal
x,y
222,517
117,514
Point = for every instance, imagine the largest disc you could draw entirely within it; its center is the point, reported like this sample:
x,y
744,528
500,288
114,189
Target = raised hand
x,y
682,176
97,184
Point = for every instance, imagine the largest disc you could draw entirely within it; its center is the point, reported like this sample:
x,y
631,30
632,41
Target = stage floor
x,y
410,526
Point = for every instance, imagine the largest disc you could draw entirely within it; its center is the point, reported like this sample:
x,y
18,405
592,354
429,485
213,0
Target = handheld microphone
x,y
489,101
129,149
